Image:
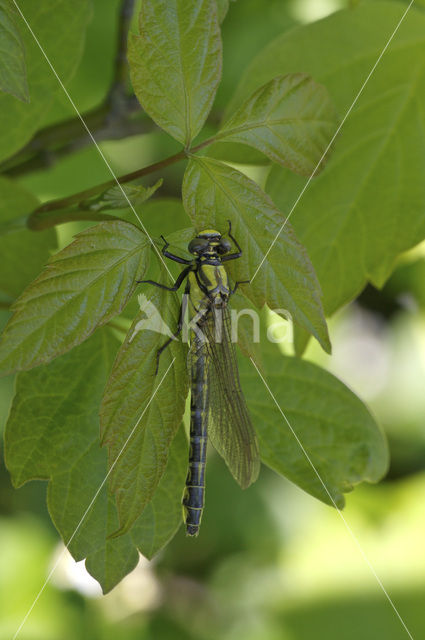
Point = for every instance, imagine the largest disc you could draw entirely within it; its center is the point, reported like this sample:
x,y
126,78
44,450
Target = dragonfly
x,y
218,407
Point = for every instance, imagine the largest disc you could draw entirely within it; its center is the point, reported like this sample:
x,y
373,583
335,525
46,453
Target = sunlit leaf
x,y
301,340
13,72
367,206
175,63
116,558
337,432
213,193
53,433
140,413
291,119
82,287
222,9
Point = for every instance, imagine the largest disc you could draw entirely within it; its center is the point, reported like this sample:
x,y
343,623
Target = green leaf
x,y
222,9
140,414
213,193
291,119
71,493
340,436
19,121
301,339
162,517
53,419
77,498
23,252
82,287
53,433
13,71
164,216
117,557
368,205
115,199
180,239
175,63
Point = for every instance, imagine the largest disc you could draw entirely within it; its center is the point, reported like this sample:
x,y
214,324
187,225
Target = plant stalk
x,y
42,218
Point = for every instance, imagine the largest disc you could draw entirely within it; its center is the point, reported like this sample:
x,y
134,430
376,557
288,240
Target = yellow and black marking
x,y
215,386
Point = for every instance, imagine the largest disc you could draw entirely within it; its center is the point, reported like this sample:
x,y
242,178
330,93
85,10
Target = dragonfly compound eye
x,y
224,246
198,245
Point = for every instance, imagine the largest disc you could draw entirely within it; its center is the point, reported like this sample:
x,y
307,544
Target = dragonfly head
x,y
209,242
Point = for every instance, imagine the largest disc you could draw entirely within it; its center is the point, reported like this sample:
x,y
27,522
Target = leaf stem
x,y
47,219
42,218
76,198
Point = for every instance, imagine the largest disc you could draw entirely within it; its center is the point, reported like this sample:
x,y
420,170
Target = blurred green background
x,y
271,563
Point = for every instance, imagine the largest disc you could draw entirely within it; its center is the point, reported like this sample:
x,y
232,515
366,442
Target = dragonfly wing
x,y
230,428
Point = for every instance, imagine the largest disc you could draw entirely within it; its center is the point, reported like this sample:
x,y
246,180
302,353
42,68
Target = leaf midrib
x,y
82,291
42,327
316,333
226,133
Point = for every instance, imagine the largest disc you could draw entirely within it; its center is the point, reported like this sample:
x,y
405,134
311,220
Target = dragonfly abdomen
x,y
193,498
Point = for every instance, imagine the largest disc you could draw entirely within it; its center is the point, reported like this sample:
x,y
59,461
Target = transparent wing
x,y
230,428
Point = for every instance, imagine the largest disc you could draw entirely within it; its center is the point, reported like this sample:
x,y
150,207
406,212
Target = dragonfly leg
x,y
232,291
171,256
232,256
175,334
164,346
176,285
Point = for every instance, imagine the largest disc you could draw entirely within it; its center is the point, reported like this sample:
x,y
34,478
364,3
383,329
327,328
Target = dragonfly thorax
x,y
209,282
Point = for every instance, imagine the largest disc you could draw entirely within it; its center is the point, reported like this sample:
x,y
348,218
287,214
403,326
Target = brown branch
x,y
113,119
38,219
